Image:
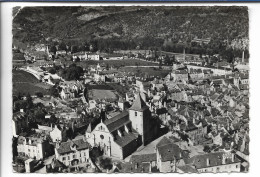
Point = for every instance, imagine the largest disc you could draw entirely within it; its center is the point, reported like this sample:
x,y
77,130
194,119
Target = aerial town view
x,y
130,89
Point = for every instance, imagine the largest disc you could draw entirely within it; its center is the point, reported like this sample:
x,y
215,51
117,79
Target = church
x,y
121,135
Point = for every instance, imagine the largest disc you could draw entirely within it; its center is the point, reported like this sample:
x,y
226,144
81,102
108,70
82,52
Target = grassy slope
x,y
24,83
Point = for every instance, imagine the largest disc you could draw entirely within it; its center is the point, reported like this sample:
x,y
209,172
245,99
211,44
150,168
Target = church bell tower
x,y
139,114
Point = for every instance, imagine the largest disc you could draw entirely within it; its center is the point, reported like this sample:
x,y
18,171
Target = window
x,y
68,157
102,137
63,158
135,113
74,156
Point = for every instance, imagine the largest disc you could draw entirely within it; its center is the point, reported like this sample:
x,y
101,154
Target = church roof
x,y
117,121
139,104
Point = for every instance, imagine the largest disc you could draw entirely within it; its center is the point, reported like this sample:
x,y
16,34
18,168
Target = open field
x,y
24,83
121,90
102,94
117,63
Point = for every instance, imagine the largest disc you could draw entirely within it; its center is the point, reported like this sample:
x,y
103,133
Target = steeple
x,y
139,104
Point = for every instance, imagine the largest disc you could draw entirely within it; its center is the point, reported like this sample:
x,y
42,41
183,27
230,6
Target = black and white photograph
x,y
130,89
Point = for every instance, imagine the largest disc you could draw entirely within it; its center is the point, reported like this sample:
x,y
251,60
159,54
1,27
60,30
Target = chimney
x,y
21,110
30,141
208,162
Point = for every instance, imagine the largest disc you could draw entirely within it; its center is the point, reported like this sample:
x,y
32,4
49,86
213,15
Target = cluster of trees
x,y
21,102
35,112
73,72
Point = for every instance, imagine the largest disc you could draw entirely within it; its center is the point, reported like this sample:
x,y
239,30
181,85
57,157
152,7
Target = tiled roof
x,y
117,121
215,159
163,142
139,104
187,169
170,152
126,138
65,147
133,168
143,158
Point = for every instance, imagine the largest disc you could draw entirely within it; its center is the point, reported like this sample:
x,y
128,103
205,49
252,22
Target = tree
x,y
95,153
206,149
62,46
52,70
54,91
167,60
39,94
53,49
53,119
74,49
106,163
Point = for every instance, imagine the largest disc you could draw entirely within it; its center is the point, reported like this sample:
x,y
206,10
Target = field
x,y
102,94
24,83
117,63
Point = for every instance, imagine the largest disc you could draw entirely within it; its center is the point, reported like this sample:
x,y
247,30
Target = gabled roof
x,y
126,138
187,169
80,144
170,152
139,104
215,159
117,121
163,142
143,158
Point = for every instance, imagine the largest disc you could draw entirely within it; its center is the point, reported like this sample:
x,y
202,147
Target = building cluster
x,y
194,120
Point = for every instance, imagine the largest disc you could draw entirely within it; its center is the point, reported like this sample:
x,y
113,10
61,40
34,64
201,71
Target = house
x,y
93,56
66,93
144,158
33,147
20,122
217,71
73,152
215,162
57,134
169,155
186,169
99,76
30,165
180,74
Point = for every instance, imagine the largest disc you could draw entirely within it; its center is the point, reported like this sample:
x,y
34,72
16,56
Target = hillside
x,y
145,26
